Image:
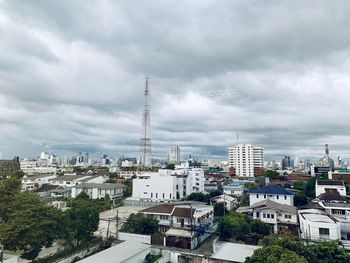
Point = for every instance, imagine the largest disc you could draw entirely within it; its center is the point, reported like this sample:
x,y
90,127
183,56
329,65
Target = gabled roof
x,y
332,196
274,206
330,182
272,190
183,212
159,209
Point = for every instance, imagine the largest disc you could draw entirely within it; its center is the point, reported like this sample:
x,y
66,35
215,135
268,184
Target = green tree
x,y
271,174
170,166
323,252
31,229
300,199
299,185
310,188
275,254
128,191
9,188
220,209
83,195
259,227
233,227
83,220
141,224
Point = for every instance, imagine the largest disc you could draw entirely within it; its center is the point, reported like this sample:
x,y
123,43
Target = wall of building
x,y
281,199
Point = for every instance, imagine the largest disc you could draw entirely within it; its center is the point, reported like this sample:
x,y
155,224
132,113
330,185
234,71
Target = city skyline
x,y
72,77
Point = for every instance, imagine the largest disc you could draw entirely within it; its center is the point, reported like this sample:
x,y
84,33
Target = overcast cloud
x,y
72,76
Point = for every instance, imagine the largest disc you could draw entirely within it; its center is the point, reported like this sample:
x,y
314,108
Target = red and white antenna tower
x,y
145,143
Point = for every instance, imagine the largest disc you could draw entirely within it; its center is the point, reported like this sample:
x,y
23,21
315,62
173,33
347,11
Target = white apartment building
x,y
168,185
30,167
174,155
245,157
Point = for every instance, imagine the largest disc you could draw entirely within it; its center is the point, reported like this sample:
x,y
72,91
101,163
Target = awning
x,y
178,233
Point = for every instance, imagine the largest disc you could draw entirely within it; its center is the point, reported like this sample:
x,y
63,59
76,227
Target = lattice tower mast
x,y
145,143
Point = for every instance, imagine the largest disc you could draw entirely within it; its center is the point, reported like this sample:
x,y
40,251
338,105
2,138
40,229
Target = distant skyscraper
x,y
174,156
247,159
286,163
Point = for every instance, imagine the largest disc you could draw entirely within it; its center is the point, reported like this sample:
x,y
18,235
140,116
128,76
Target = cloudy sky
x,y
275,72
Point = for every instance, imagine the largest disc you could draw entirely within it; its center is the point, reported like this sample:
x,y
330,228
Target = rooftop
x,y
122,252
104,186
234,252
332,196
271,189
315,215
274,206
79,178
330,182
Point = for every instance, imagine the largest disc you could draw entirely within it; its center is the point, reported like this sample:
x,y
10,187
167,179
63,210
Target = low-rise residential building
x,y
98,191
317,225
272,192
279,216
184,225
229,201
72,180
35,182
323,186
236,187
337,206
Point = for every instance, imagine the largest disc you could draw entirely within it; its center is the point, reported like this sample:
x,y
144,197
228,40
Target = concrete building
x,y
316,225
271,192
8,167
72,180
174,155
184,225
98,191
279,216
323,186
229,201
247,159
34,182
168,185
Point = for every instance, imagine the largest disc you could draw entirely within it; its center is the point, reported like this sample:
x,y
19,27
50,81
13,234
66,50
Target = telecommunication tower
x,y
145,142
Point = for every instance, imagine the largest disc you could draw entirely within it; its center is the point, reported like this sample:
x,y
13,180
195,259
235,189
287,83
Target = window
x,y
285,197
163,217
264,215
257,196
151,195
272,216
324,232
156,195
257,214
163,195
277,196
268,215
264,196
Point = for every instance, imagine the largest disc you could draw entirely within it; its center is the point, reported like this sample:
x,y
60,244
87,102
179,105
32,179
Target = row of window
x,y
277,196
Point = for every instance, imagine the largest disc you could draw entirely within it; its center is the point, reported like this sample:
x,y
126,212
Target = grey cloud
x,y
72,75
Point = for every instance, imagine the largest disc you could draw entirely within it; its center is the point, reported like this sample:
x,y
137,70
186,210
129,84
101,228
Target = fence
x,y
135,237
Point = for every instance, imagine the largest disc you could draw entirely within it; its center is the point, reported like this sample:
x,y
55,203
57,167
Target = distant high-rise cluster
x,y
246,159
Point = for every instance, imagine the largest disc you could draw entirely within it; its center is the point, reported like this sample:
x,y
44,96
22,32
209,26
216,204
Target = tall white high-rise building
x,y
247,159
174,156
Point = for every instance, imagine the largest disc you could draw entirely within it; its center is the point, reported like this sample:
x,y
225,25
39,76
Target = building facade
x,y
174,155
247,159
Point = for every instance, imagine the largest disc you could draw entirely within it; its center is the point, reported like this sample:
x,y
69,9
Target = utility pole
x,y
117,226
